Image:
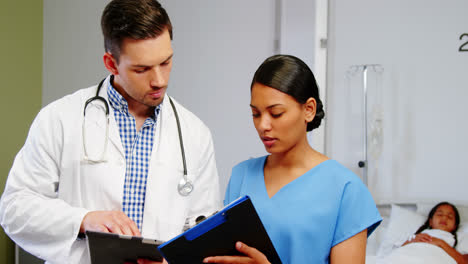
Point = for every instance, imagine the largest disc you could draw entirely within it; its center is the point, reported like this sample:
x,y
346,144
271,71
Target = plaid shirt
x,y
138,146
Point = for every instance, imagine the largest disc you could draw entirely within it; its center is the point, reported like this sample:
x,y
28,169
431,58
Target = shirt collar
x,y
118,103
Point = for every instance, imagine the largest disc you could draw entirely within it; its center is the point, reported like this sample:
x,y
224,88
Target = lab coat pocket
x,y
102,183
165,208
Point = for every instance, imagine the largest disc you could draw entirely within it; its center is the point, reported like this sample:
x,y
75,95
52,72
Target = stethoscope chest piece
x,y
185,187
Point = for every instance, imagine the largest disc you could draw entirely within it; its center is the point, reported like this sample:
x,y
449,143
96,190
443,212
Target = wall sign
x,y
464,45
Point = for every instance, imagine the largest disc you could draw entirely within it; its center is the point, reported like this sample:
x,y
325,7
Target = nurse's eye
x,y
255,113
276,115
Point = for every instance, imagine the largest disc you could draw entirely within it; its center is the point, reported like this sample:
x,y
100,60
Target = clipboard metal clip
x,y
211,222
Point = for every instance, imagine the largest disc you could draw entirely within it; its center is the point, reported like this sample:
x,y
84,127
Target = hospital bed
x,y
400,221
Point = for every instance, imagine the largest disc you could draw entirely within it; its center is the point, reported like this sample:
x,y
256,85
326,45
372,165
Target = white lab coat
x,y
46,222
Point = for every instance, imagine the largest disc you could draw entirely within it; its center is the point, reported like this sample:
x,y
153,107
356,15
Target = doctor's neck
x,y
137,106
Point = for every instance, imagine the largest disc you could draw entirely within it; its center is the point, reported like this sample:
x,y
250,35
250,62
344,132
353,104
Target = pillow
x,y
462,245
462,233
425,208
403,223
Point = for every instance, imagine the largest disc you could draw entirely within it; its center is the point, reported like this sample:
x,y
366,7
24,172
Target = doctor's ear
x,y
110,63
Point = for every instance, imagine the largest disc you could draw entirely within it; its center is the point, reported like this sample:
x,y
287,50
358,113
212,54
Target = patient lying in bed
x,y
433,242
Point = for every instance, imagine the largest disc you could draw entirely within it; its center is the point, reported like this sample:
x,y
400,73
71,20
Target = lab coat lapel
x,y
165,171
114,135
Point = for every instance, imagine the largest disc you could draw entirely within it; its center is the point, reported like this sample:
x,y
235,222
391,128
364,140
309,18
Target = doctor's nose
x,y
158,78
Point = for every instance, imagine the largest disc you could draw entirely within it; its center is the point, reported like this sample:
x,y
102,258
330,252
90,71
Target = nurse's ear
x,y
110,63
310,108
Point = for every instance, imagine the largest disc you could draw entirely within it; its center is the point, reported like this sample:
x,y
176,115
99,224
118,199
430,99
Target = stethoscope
x,y
184,187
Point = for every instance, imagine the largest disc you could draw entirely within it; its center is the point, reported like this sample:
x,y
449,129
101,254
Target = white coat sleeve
x,y
30,211
206,188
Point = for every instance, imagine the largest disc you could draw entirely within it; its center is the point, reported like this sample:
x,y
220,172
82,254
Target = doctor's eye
x,y
141,70
166,63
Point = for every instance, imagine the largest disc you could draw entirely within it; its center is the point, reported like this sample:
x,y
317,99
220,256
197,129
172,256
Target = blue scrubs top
x,y
311,214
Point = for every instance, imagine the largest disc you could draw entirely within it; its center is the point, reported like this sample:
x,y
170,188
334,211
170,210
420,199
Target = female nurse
x,y
314,209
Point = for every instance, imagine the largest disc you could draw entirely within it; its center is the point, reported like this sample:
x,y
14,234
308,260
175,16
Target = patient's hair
x,y
290,75
426,225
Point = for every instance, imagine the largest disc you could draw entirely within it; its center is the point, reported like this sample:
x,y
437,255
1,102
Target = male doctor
x,y
66,179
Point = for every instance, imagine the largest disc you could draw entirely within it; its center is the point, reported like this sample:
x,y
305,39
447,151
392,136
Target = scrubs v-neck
x,y
307,217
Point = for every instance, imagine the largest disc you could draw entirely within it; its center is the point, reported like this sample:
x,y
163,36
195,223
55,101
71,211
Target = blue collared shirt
x,y
138,146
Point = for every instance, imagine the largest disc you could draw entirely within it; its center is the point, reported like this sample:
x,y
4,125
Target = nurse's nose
x,y
264,123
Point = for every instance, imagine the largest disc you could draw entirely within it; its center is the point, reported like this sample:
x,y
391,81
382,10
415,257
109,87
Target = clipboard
x,y
217,235
113,248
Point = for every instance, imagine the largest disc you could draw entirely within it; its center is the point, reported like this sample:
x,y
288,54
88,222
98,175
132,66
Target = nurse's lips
x,y
268,141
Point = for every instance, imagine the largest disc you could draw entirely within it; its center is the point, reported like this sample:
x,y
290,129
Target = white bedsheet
x,y
416,253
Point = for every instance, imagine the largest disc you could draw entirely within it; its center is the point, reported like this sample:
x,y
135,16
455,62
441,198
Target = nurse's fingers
x,y
253,256
253,253
145,261
228,260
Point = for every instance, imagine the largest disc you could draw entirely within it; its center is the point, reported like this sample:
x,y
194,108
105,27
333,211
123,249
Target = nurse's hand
x,y
144,261
252,256
109,222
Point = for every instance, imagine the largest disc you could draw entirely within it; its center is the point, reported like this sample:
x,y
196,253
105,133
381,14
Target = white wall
x,y
303,24
73,46
424,87
218,46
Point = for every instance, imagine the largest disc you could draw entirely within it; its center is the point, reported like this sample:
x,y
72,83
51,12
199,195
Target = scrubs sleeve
x,y
235,183
357,212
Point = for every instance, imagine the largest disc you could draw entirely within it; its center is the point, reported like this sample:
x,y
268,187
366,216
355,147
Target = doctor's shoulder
x,y
190,122
67,107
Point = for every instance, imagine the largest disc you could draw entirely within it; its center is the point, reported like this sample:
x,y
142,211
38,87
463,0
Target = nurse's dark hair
x,y
134,19
427,225
292,76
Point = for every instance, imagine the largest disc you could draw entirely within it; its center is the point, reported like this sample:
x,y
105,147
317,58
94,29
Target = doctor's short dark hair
x,y
134,19
292,76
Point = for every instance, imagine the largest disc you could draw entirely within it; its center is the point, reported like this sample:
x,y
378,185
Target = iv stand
x,y
365,69
363,163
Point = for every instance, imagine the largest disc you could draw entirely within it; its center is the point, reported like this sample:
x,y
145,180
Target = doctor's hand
x,y
109,222
252,256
